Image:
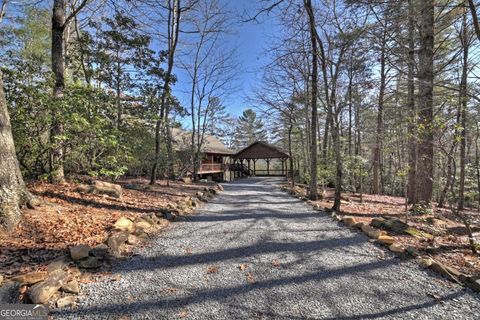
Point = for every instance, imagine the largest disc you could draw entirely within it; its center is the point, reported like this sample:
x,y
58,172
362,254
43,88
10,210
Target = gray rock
x,y
41,292
115,243
100,251
79,251
71,287
90,263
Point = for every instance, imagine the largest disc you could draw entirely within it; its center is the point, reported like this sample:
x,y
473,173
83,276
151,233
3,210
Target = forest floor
x,y
67,217
255,252
449,242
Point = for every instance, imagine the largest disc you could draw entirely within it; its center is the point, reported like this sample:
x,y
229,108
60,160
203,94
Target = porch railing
x,y
211,167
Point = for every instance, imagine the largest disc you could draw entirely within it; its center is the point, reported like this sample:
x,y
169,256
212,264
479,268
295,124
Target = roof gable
x,y
183,139
260,150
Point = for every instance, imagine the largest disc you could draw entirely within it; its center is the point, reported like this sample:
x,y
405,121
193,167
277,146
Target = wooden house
x,y
216,156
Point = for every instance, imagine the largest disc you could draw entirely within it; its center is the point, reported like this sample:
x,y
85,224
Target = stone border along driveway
x,y
255,252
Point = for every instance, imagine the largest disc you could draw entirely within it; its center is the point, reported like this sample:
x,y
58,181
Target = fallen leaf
x,y
242,267
131,298
117,277
250,278
275,263
212,269
183,313
170,290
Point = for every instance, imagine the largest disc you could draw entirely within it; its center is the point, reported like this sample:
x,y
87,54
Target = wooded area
x,y
367,96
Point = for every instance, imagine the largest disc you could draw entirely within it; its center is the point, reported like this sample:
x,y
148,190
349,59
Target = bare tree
x,y
59,22
174,12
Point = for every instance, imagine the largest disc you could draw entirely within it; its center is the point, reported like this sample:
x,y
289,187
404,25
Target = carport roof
x,y
261,150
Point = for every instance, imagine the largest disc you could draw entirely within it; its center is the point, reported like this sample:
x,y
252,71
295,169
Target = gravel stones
x,y
324,270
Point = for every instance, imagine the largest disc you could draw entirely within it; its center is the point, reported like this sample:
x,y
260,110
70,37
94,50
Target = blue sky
x,y
251,40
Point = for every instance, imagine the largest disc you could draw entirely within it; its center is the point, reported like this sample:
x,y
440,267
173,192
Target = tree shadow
x,y
95,204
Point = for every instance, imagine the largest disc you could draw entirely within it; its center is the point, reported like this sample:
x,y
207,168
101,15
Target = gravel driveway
x,y
255,252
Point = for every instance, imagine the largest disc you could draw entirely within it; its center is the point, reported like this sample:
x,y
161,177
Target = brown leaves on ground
x,y
275,263
183,313
170,290
449,244
250,278
67,217
212,269
242,266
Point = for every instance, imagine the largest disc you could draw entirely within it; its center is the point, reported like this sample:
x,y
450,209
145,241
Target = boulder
x,y
66,301
71,287
186,180
413,251
58,264
473,283
395,247
90,263
41,292
395,225
84,188
372,232
152,221
199,194
100,251
375,234
211,191
140,234
195,202
427,262
417,233
124,224
110,189
170,216
144,225
446,271
115,243
74,271
387,240
349,221
31,277
377,222
132,240
80,251
359,225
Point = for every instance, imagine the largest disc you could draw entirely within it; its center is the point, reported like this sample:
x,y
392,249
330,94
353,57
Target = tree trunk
x,y
412,148
173,30
463,112
425,103
13,193
313,150
58,67
377,153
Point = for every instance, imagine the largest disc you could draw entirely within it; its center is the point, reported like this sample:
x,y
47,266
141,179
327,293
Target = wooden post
x,y
254,166
268,167
248,164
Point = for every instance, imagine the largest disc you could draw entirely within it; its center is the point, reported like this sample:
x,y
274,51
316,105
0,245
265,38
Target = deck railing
x,y
211,167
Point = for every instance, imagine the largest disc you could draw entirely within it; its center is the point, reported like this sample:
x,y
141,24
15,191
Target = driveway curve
x,y
255,252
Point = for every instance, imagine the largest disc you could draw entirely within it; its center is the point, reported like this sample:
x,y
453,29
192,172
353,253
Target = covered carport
x,y
247,162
